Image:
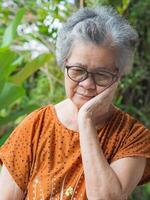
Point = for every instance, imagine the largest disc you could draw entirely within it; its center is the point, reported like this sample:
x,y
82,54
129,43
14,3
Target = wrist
x,y
85,121
84,116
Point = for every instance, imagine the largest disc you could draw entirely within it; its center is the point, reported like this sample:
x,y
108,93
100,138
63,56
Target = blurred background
x,y
30,76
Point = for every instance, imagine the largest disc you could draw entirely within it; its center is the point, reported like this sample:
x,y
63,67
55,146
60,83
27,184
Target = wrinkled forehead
x,y
92,56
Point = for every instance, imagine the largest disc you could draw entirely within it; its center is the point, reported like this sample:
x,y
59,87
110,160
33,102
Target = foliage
x,y
30,76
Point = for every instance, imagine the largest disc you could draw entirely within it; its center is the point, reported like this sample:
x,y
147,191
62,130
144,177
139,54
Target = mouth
x,y
85,96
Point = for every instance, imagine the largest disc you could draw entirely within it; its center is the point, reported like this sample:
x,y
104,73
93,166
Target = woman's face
x,y
93,58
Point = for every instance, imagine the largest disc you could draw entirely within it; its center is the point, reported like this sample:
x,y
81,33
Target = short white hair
x,y
100,25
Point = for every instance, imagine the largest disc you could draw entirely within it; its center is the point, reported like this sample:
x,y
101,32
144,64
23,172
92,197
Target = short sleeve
x,y
136,143
17,152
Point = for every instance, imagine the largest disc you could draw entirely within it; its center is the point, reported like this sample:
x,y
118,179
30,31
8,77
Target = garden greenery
x,y
30,77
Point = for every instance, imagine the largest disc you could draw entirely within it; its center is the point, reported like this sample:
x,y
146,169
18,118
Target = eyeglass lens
x,y
101,78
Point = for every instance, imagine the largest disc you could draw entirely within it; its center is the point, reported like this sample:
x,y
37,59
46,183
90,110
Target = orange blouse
x,y
44,158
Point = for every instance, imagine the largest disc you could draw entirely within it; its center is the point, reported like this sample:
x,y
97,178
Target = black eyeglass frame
x,y
114,76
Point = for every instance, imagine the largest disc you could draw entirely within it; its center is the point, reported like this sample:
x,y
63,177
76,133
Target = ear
x,y
65,61
63,65
120,74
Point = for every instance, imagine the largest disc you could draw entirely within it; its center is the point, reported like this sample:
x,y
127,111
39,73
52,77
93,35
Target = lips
x,y
85,96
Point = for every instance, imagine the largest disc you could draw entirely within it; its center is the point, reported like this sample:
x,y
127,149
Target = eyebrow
x,y
80,65
97,69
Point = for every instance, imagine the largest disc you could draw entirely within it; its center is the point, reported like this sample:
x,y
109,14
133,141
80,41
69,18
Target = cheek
x,y
99,89
70,87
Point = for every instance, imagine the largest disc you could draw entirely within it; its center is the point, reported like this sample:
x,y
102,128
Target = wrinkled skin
x,y
90,99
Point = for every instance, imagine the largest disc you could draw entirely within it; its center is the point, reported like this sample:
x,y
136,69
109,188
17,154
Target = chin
x,y
79,102
78,105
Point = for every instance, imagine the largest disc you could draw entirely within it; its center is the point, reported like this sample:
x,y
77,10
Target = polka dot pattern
x,y
44,157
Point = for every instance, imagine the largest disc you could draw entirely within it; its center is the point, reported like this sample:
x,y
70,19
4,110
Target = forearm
x,y
101,180
9,190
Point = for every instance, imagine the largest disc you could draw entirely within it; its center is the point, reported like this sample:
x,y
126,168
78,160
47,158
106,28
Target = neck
x,y
99,120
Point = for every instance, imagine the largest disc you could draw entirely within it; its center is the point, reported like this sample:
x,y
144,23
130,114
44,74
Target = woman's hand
x,y
99,105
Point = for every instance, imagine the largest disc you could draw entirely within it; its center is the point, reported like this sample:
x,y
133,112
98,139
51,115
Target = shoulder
x,y
31,127
127,123
126,136
39,113
40,116
134,141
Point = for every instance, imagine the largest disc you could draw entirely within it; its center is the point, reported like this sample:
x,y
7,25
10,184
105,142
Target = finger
x,y
107,92
110,89
104,98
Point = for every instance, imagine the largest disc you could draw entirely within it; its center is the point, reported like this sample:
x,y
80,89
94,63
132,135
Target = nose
x,y
88,83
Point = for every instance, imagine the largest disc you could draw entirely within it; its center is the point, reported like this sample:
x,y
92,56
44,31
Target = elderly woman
x,y
83,147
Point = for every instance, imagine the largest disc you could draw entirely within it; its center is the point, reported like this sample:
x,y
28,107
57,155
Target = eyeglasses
x,y
102,78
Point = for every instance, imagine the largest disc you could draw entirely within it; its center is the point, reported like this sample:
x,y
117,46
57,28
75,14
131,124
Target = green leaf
x,y
4,138
2,83
30,68
11,30
147,188
10,93
14,115
6,59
